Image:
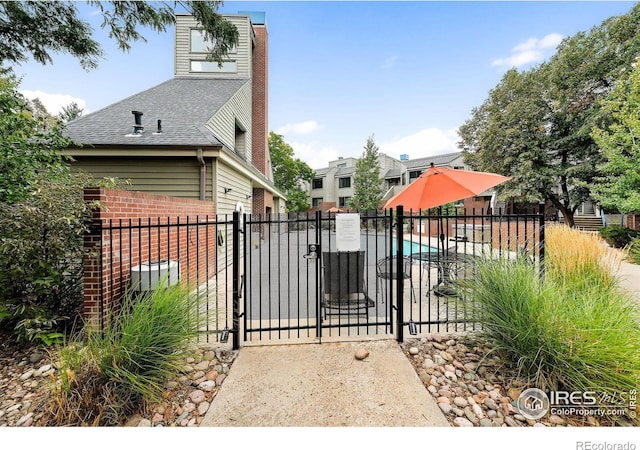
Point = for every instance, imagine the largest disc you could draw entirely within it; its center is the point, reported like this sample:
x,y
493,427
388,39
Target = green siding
x,y
167,176
222,124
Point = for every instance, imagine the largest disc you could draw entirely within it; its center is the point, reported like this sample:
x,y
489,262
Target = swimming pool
x,y
412,247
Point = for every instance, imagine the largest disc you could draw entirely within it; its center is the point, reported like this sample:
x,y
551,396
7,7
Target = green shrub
x,y
559,333
633,251
123,366
41,254
618,236
41,257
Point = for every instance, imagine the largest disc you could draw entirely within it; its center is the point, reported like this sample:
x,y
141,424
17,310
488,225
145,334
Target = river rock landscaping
x,y
26,374
468,382
471,387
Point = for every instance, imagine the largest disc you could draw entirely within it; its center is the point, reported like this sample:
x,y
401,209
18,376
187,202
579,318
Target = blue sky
x,y
408,73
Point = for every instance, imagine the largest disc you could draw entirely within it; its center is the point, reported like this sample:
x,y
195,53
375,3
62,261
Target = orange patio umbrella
x,y
441,185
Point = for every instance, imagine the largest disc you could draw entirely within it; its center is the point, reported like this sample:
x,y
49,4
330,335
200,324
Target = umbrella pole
x,y
441,230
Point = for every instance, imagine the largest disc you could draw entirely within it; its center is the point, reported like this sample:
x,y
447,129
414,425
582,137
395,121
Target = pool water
x,y
411,247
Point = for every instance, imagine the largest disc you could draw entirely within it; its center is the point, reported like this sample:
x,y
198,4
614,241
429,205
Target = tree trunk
x,y
567,214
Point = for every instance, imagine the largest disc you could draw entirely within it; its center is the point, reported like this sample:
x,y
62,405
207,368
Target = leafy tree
x,y
289,173
29,142
536,125
36,29
619,188
70,112
367,184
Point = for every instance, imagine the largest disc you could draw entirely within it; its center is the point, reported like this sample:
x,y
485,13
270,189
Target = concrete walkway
x,y
323,385
630,278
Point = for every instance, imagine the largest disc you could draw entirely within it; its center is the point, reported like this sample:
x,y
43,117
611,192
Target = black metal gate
x,y
298,286
295,284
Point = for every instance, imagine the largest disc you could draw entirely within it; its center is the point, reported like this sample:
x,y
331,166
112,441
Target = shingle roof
x,y
184,104
393,173
321,172
438,160
345,171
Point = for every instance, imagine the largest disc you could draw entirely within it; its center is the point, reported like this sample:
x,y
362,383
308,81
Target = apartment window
x,y
414,174
341,165
343,202
317,183
344,182
315,202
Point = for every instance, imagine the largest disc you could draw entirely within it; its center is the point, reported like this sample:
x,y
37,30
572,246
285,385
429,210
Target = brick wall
x,y
134,227
633,221
260,113
514,234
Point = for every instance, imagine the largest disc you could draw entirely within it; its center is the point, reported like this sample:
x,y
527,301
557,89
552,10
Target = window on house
x,y
344,182
240,138
317,183
414,174
315,202
201,45
212,67
341,165
343,202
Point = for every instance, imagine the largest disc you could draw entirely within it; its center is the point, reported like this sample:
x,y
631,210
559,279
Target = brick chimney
x,y
260,139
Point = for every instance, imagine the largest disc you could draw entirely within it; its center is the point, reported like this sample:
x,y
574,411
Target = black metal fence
x,y
132,256
288,278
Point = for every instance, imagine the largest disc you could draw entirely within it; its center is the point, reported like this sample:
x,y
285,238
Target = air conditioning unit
x,y
147,276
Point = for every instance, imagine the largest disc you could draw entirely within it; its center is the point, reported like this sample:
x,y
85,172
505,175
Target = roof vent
x,y
159,130
137,127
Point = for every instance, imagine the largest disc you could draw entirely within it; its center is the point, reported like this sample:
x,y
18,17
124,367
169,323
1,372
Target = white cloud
x,y
317,156
55,102
427,142
306,127
530,51
551,40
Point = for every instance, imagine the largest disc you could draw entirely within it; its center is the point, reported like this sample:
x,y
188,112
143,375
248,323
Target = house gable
x,y
232,122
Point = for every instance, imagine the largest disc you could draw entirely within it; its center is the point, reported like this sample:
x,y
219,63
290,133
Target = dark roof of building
x,y
342,171
321,172
183,104
393,173
437,160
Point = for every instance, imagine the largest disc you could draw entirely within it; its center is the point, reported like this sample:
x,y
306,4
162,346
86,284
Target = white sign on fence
x,y
347,232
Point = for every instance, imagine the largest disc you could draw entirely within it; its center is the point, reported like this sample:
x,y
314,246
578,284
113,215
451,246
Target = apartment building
x,y
332,186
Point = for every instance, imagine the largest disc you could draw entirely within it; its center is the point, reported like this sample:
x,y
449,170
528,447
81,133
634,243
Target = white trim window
x,y
212,66
199,44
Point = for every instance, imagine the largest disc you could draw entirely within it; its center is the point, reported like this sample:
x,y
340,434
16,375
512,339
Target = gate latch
x,y
312,252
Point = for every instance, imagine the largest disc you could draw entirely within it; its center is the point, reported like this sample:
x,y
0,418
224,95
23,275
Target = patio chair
x,y
386,269
344,286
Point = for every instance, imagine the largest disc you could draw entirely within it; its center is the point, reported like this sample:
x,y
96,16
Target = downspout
x,y
203,174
